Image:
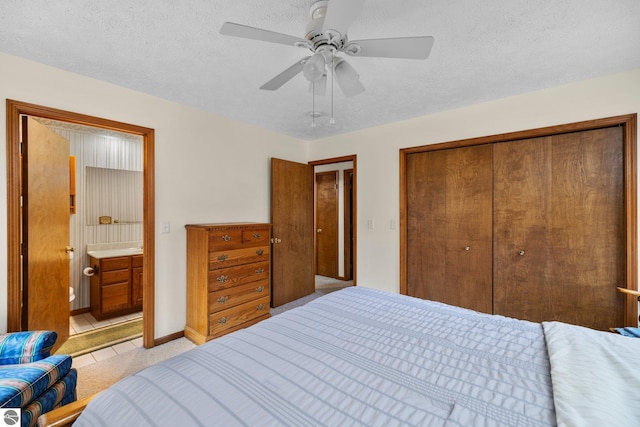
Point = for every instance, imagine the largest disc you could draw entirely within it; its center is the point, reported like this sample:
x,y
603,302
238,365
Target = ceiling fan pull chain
x,y
332,120
313,104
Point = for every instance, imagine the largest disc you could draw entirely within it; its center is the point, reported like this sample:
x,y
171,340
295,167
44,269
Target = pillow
x,y
26,347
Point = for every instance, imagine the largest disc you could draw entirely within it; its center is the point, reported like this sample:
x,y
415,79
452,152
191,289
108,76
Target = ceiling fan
x,y
326,36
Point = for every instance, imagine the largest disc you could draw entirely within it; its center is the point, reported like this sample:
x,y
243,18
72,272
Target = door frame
x,y
335,215
14,233
629,126
349,200
354,206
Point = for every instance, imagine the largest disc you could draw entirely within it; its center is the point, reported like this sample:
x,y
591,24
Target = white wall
x,y
202,163
203,172
378,153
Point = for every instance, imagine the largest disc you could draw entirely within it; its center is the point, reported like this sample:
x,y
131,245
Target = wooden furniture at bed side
x,y
228,270
116,289
560,223
66,415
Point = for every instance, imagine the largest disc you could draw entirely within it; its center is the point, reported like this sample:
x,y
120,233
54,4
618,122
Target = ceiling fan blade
x,y
285,76
340,14
244,31
347,78
401,47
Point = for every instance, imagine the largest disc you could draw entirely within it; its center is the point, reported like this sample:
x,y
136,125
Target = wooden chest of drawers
x,y
228,286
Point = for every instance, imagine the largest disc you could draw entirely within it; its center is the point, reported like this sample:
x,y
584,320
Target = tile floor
x,y
86,322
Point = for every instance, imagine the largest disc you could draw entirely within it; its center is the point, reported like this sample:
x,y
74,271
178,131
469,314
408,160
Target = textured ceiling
x,y
483,50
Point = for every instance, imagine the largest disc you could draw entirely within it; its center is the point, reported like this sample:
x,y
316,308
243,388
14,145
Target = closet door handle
x,y
521,253
467,248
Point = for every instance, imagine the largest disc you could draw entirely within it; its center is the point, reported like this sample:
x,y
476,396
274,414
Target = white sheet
x,y
595,376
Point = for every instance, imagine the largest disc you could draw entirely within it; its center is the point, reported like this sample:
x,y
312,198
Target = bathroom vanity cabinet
x,y
116,287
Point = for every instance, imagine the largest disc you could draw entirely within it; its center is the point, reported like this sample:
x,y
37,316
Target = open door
x,y
292,230
327,224
45,230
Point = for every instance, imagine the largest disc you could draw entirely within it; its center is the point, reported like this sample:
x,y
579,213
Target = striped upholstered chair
x,y
31,378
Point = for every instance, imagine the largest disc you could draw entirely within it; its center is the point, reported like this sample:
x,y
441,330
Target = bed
x,y
365,357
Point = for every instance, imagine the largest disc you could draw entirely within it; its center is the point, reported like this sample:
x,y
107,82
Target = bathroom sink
x,y
110,250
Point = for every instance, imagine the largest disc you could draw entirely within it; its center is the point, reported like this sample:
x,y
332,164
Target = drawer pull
x,y
222,257
256,235
223,299
226,237
223,279
260,307
259,252
260,271
223,320
259,289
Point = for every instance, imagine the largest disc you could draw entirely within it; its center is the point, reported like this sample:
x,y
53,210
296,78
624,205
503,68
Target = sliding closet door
x,y
449,226
559,246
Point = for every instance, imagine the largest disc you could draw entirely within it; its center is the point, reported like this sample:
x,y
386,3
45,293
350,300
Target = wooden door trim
x,y
335,175
629,126
347,202
354,207
14,292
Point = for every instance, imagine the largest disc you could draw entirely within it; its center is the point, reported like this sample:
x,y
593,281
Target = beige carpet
x,y
100,375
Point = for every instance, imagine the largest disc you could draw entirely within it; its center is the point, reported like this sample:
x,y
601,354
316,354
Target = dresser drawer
x,y
232,257
221,300
225,239
235,316
119,263
119,276
224,278
255,236
137,261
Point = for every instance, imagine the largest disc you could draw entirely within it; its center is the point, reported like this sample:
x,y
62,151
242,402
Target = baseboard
x,y
167,338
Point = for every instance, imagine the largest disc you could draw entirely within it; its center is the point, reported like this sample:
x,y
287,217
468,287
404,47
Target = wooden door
x,y
292,230
45,189
327,224
559,236
449,226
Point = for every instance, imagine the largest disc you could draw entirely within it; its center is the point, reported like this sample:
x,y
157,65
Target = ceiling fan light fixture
x,y
318,10
313,69
347,78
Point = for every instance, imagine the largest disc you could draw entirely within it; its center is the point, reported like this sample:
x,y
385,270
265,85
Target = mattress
x,y
353,357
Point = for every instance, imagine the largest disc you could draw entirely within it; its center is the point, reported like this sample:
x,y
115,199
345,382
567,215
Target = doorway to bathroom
x,y
132,226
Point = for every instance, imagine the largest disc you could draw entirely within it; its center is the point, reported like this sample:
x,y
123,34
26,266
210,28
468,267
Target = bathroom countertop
x,y
111,253
117,249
